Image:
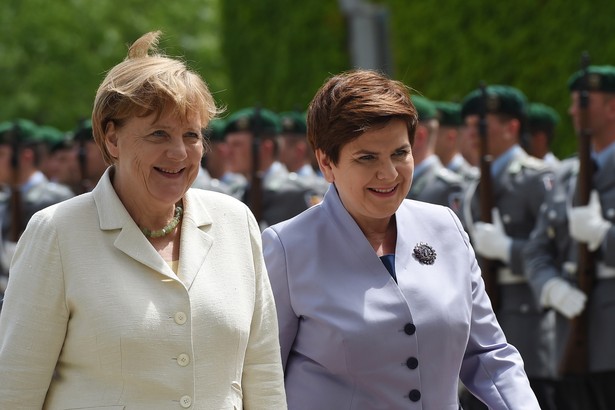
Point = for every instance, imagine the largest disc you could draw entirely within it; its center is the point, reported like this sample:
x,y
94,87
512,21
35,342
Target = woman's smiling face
x,y
157,159
374,172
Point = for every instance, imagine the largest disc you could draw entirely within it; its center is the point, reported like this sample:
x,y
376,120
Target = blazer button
x,y
180,318
183,360
412,363
414,395
185,401
409,329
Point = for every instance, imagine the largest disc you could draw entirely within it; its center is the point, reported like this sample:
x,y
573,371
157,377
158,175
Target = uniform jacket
x,y
519,190
437,185
89,297
352,338
551,252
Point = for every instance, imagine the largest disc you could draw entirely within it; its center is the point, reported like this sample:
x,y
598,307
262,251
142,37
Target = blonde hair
x,y
148,82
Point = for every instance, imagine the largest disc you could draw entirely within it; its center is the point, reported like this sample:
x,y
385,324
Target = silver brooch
x,y
424,253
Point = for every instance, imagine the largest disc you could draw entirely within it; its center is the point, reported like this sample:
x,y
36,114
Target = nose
x,y
177,149
386,171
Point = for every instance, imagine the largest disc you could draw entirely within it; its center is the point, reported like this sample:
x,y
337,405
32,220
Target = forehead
x,y
393,135
238,136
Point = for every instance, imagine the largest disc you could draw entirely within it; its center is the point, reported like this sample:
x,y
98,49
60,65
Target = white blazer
x,y
353,338
89,298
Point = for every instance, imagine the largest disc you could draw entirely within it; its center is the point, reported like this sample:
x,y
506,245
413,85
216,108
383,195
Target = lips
x,y
383,190
169,170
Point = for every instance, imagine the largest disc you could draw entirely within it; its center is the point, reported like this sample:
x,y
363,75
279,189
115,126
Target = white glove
x,y
586,224
561,296
490,240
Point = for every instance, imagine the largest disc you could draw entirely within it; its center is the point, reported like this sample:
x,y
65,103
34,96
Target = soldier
x,y
432,182
295,151
25,189
542,121
213,174
251,135
58,147
91,162
520,183
551,254
449,140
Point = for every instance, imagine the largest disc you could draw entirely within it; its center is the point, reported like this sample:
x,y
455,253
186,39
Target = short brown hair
x,y
146,83
353,102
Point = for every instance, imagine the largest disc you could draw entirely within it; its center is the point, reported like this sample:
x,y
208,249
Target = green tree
x,y
54,54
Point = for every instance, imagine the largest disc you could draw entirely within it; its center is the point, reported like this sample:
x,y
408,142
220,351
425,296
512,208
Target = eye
x,y
401,153
159,133
366,157
193,135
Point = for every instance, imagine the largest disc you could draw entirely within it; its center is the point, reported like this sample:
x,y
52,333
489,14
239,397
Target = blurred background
x,y
276,53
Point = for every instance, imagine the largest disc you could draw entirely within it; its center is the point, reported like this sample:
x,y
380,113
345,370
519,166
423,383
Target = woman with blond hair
x,y
144,293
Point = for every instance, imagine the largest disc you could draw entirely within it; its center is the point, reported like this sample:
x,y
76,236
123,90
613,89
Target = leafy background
x,y
277,53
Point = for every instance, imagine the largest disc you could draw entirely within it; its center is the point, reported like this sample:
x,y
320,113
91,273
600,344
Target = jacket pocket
x,y
99,408
237,396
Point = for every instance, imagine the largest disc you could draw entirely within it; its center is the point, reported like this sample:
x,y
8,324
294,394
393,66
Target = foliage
x,y
277,55
54,54
445,48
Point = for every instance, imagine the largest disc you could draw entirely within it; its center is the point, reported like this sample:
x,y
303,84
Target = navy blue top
x,y
389,263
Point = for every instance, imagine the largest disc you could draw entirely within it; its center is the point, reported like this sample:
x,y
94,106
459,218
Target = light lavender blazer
x,y
351,338
89,297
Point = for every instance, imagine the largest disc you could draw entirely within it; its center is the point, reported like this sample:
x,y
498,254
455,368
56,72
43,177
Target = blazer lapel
x,y
113,216
195,242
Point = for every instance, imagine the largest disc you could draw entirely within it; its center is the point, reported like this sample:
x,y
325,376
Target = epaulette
x,y
449,176
527,162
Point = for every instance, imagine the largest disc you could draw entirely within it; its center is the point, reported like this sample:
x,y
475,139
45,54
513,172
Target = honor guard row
x,y
256,141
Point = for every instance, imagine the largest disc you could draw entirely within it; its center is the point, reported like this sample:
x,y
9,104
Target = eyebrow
x,y
364,151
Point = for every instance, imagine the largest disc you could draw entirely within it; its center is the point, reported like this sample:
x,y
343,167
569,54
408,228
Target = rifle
x,y
488,267
255,197
575,359
82,138
16,205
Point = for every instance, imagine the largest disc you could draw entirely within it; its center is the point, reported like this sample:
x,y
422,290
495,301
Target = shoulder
x,y
449,177
529,163
51,191
214,201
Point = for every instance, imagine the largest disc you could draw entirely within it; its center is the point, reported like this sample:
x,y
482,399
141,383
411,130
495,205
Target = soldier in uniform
x,y
213,174
24,188
432,182
542,121
520,183
91,162
551,254
295,151
251,134
449,140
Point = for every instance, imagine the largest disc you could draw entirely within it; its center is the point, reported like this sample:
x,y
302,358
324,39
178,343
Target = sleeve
x,y
263,379
288,322
34,317
540,187
608,247
491,369
538,255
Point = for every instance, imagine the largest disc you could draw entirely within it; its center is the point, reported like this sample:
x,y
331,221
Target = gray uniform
x,y
37,194
437,185
284,195
551,252
518,191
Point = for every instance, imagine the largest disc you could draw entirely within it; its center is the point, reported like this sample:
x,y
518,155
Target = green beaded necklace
x,y
168,228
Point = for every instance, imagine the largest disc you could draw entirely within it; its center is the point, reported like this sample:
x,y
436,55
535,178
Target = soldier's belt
x,y
507,277
602,271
